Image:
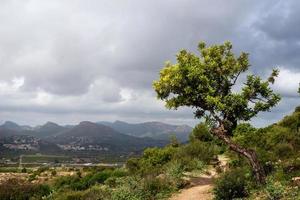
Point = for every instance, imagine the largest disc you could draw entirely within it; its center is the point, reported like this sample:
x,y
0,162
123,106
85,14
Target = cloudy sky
x,y
72,60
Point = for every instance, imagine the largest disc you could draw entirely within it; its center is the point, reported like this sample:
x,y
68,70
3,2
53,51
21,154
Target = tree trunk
x,y
247,153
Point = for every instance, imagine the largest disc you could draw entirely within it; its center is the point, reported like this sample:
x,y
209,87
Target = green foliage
x,y
24,170
196,150
132,164
53,173
205,82
174,141
278,148
19,190
143,188
32,177
124,193
153,159
41,170
231,185
96,192
82,183
274,190
10,169
201,132
279,141
174,171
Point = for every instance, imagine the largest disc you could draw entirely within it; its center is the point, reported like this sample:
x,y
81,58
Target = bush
x,y
132,165
156,188
19,190
24,170
42,169
53,173
231,185
124,193
111,182
66,182
284,150
274,190
201,133
174,171
196,151
157,156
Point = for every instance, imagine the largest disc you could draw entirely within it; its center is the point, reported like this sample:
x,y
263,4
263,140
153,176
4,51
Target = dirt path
x,y
200,187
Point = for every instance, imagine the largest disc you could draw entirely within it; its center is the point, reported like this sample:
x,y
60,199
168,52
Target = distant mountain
x,y
49,129
93,135
10,128
89,129
9,125
88,137
155,130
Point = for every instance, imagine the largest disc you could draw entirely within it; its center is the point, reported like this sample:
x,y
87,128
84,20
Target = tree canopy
x,y
205,82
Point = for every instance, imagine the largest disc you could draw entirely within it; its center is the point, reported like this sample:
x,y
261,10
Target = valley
x,y
86,142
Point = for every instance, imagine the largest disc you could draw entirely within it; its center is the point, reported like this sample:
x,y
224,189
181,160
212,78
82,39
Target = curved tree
x,y
205,82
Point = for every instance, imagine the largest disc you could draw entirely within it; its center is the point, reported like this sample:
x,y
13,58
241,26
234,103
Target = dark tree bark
x,y
247,153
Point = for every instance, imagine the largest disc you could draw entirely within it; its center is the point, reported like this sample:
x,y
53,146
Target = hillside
x,y
85,138
93,136
155,130
49,129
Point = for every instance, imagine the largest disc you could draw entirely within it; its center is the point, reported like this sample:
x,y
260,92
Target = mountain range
x,y
87,136
155,130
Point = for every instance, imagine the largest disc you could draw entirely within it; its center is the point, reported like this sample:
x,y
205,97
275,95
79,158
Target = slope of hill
x,y
49,129
155,130
88,135
11,126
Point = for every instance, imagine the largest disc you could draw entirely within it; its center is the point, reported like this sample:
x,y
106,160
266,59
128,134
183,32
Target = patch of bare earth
x,y
6,176
200,188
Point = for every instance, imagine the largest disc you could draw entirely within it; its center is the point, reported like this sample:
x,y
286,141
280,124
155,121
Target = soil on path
x,y
200,188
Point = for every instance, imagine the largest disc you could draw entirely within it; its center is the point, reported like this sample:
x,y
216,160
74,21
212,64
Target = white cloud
x,y
287,82
9,87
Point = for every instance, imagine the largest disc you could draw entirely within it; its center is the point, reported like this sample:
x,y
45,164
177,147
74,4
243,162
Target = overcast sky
x,y
72,60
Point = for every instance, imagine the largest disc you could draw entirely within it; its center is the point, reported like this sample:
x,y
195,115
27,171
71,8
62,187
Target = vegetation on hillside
x,y
156,174
206,82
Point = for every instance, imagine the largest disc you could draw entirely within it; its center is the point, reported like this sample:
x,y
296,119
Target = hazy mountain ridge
x,y
89,136
155,130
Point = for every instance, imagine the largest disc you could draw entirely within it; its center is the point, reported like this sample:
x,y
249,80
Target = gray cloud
x,y
97,59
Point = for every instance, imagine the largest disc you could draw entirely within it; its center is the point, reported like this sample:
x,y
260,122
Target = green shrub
x,y
132,165
124,193
195,151
32,177
231,185
201,133
174,171
96,192
284,150
42,169
156,187
66,182
274,190
53,173
157,156
111,182
24,170
19,190
99,177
